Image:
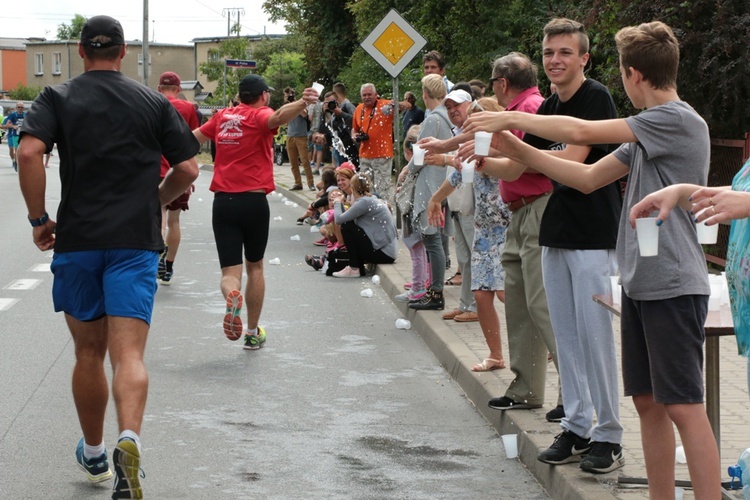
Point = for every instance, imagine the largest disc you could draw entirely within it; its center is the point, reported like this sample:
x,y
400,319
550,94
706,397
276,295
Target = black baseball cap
x,y
102,26
254,85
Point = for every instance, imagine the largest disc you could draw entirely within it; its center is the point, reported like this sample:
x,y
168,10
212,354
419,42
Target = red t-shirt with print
x,y
187,111
244,149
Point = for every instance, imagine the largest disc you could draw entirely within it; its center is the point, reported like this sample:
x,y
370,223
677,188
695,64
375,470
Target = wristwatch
x,y
40,221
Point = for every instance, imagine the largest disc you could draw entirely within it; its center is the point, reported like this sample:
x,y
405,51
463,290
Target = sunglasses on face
x,y
493,80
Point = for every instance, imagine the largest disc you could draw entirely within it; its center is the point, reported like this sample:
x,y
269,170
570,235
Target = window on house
x,y
140,59
213,55
38,63
56,63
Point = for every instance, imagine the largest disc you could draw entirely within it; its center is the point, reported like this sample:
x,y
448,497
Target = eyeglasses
x,y
493,80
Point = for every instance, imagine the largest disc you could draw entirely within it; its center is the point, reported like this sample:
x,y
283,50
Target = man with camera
x,y
372,129
296,145
338,125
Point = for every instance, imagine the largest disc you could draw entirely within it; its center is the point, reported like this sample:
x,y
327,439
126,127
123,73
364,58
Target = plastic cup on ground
x,y
648,236
418,155
275,262
616,289
510,442
375,279
679,455
367,293
318,88
467,171
295,237
403,324
482,141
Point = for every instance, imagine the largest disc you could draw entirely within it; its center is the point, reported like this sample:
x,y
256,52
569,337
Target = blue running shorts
x,y
95,283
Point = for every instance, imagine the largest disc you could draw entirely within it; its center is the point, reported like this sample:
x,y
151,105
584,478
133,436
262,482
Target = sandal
x,y
455,279
488,365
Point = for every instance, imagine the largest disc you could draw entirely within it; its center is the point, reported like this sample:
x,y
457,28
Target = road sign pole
x,y
396,128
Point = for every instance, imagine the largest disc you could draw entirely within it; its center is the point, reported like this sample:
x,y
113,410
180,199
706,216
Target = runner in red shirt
x,y
243,176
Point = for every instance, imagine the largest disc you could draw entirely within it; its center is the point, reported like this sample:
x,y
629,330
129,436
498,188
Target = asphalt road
x,y
339,404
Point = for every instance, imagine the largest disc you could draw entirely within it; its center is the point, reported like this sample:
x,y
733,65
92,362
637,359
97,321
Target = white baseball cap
x,y
458,96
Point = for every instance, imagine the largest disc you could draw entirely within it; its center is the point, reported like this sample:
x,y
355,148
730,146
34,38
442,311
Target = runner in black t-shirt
x,y
111,133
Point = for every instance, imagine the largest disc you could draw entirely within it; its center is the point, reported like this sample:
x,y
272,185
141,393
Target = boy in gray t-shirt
x,y
665,299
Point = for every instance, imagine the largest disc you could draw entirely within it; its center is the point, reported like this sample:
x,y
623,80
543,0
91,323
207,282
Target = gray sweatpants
x,y
586,357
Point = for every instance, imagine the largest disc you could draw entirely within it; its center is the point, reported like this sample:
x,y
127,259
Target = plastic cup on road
x,y
482,142
467,171
418,153
510,442
318,88
648,236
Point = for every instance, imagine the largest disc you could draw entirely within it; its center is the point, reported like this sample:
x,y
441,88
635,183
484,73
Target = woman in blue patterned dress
x,y
491,220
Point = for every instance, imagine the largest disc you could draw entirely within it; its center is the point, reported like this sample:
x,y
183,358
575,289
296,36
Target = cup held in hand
x,y
482,141
418,153
648,236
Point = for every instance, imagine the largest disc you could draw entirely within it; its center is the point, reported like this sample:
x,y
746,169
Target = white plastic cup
x,y
318,88
467,171
616,289
375,279
295,237
482,141
314,229
679,455
275,262
403,324
714,300
418,155
367,293
707,235
510,442
648,236
278,217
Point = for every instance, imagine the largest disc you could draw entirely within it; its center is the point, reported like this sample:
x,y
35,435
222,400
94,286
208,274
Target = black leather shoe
x,y
432,301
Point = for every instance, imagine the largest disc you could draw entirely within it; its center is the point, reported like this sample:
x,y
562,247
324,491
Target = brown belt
x,y
525,200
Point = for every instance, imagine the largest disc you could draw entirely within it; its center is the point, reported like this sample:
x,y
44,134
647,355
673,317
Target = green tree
x,y
23,93
231,48
72,31
286,69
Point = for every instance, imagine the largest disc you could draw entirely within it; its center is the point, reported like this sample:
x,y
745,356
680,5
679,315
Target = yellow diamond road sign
x,y
393,43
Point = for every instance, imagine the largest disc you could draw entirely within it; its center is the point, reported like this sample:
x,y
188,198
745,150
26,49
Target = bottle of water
x,y
741,472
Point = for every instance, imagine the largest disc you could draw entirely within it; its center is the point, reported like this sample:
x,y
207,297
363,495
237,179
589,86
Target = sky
x,y
169,22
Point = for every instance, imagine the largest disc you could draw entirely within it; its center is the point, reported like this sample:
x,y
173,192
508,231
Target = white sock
x,y
252,332
90,452
127,433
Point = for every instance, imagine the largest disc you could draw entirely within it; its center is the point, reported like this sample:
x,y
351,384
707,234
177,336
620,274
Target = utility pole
x,y
228,12
145,43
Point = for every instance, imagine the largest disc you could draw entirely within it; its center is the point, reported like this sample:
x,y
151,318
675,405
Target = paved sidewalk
x,y
458,346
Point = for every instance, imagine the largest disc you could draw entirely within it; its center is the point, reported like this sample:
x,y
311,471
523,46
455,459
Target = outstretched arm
x,y
584,178
288,111
553,127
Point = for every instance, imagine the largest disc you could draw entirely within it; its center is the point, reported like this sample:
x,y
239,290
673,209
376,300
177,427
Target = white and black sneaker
x,y
603,458
568,447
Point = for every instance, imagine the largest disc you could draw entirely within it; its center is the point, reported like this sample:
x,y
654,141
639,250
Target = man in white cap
x,y
457,104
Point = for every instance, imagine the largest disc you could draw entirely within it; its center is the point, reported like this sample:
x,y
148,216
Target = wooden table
x,y
718,323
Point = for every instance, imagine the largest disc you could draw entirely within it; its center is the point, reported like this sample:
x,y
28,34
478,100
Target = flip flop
x,y
453,281
488,365
233,318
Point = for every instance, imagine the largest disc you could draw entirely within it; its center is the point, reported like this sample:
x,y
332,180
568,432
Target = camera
x,y
332,105
290,98
362,137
